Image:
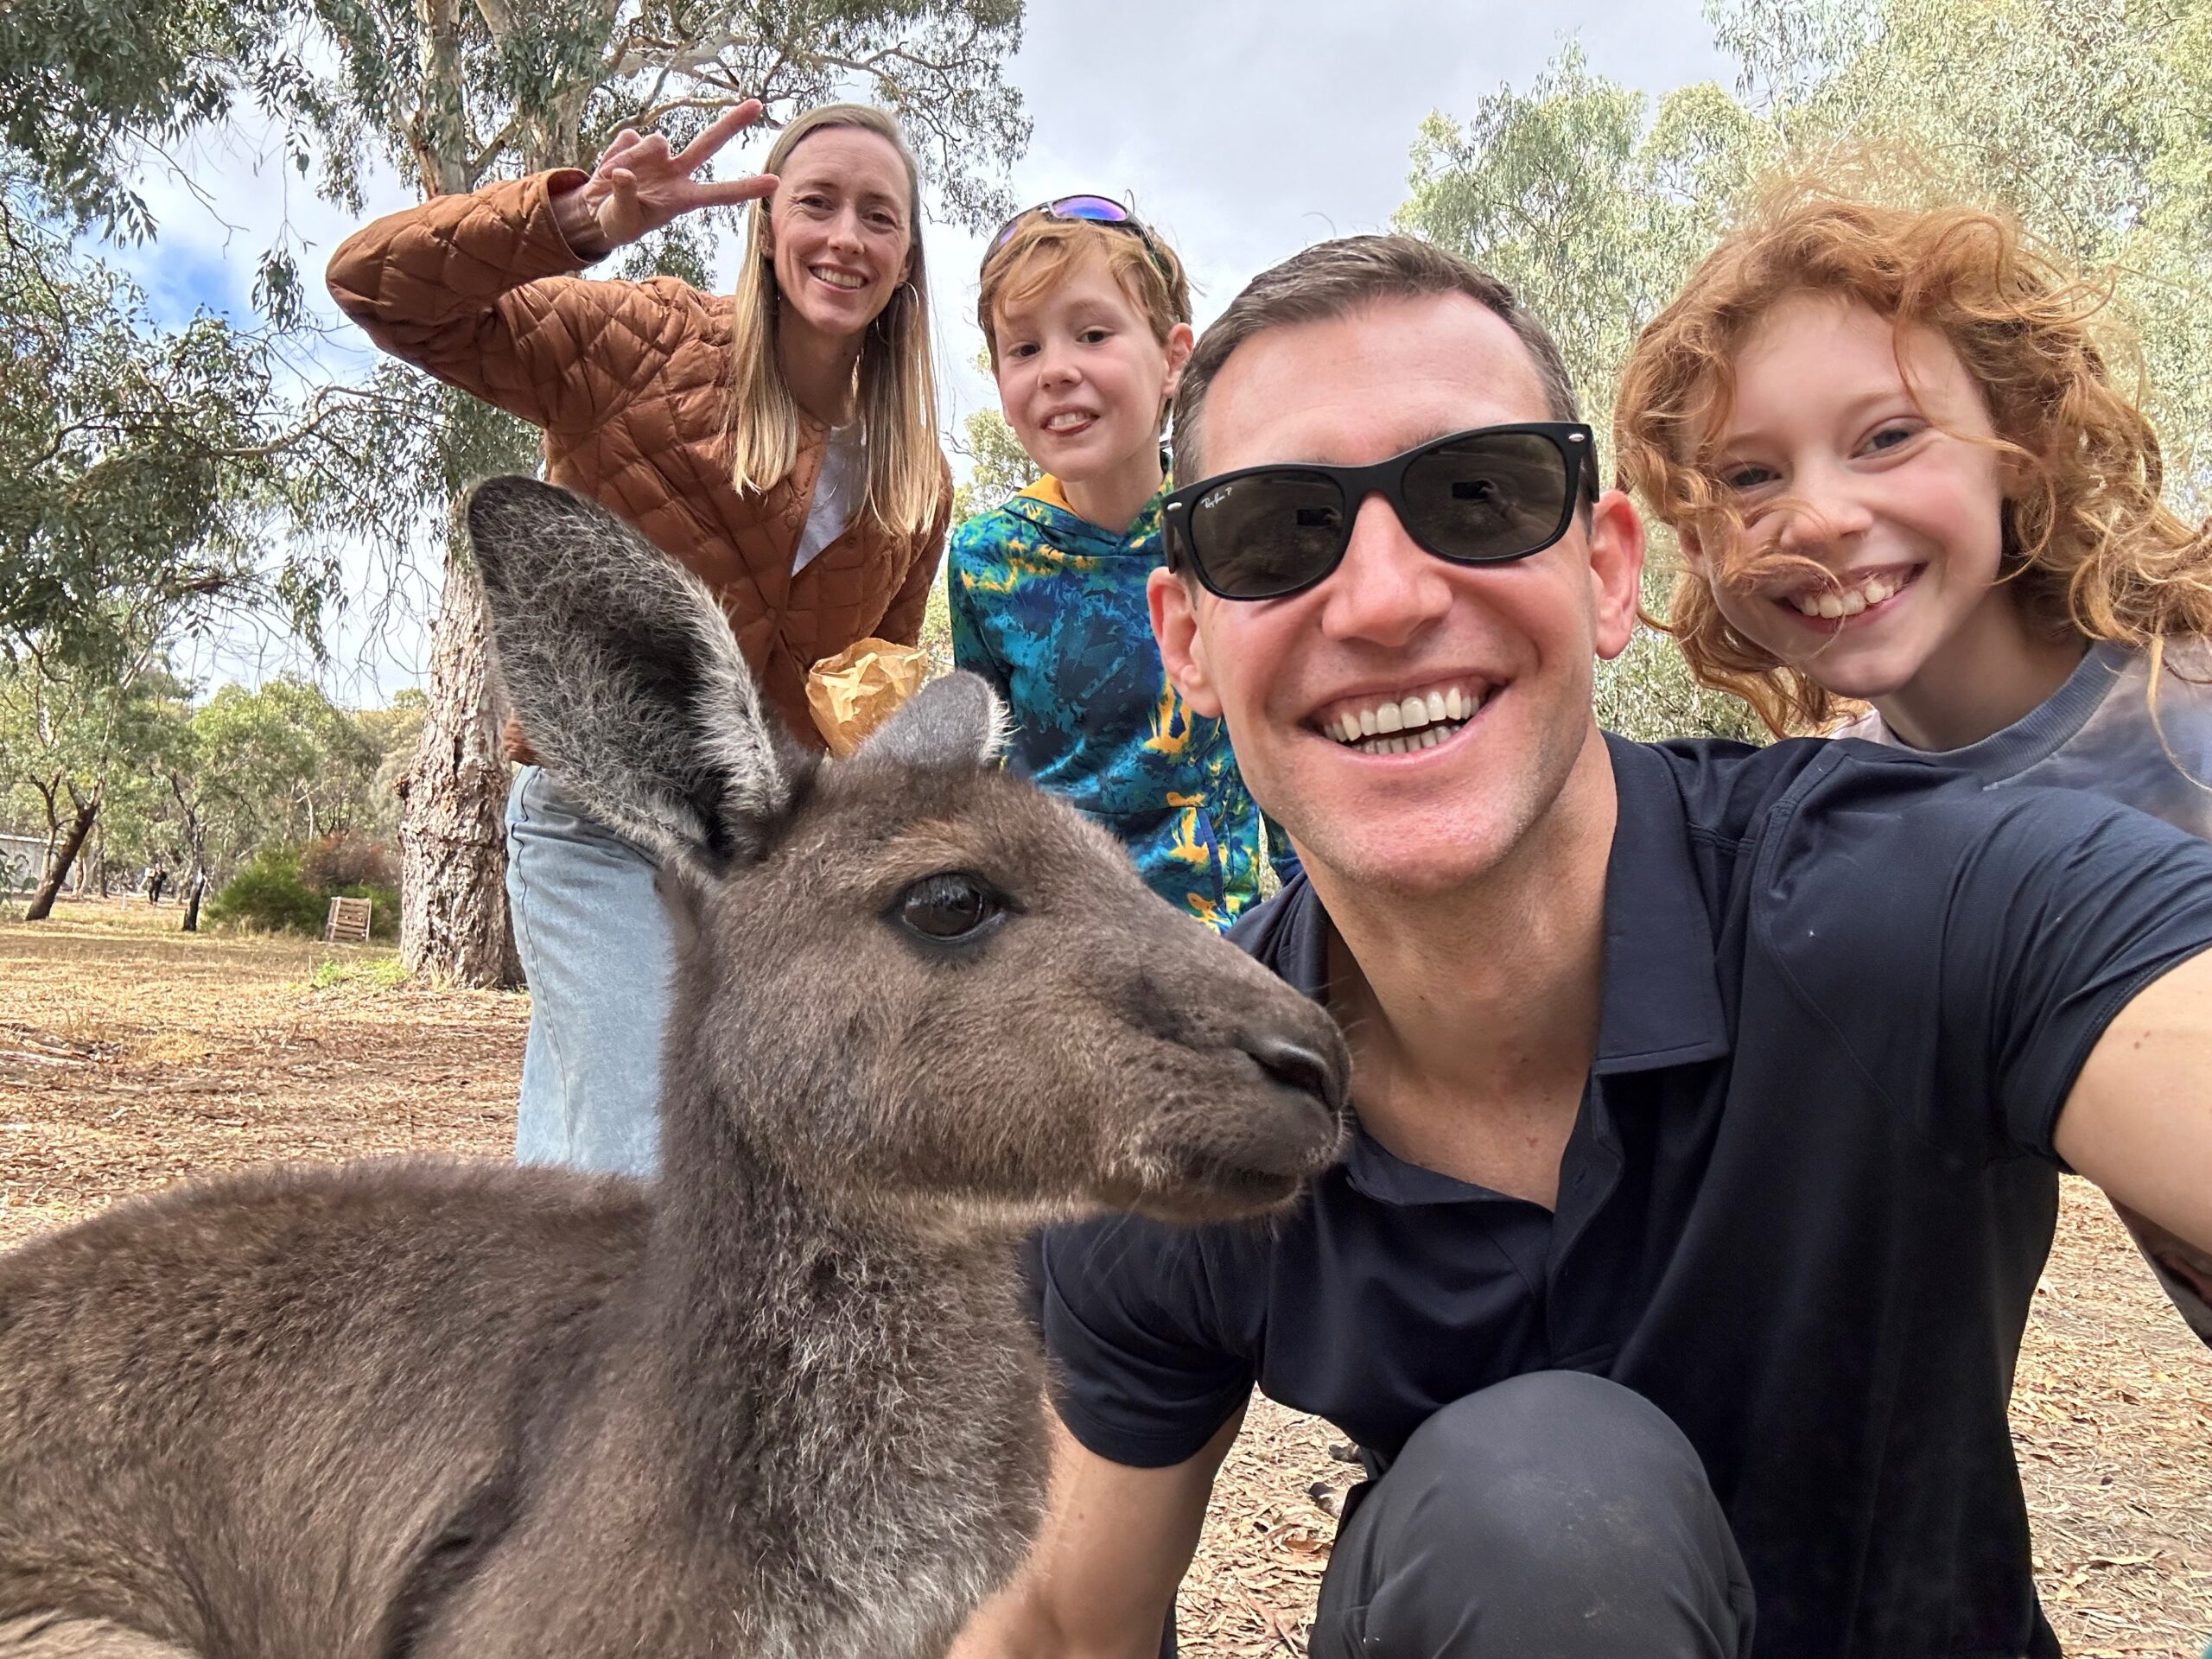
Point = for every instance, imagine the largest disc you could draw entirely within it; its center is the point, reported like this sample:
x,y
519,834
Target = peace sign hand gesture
x,y
638,184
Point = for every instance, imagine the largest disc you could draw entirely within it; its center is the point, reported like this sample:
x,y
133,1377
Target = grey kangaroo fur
x,y
782,1404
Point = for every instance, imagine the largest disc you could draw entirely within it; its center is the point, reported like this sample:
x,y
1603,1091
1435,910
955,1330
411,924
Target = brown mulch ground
x,y
131,1055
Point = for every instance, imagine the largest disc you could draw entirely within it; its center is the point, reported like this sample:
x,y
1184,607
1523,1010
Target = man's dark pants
x,y
1554,1516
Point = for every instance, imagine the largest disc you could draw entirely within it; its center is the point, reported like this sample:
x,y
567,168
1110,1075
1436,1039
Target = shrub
x,y
339,863
268,897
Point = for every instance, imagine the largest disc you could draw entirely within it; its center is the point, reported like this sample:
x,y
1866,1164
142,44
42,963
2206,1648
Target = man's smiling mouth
x,y
1404,724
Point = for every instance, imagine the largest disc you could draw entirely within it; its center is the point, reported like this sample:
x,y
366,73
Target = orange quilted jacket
x,y
630,383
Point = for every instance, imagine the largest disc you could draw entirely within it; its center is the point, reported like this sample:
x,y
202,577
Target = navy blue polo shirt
x,y
1803,1208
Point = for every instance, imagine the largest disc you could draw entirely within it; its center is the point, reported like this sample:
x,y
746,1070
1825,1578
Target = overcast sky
x,y
1243,129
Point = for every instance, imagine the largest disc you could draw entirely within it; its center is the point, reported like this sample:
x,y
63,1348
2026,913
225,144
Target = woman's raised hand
x,y
638,184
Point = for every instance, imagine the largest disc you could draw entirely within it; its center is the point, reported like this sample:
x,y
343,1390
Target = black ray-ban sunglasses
x,y
1484,496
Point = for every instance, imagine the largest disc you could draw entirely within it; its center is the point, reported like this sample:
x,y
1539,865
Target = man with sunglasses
x,y
1709,1101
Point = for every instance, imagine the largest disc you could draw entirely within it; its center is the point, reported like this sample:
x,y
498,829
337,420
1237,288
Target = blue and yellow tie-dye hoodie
x,y
1051,610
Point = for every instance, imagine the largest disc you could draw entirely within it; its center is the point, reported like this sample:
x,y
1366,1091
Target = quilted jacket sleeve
x,y
902,622
480,290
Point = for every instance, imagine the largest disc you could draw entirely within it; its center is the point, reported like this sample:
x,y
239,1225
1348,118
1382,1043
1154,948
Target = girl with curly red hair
x,y
1917,508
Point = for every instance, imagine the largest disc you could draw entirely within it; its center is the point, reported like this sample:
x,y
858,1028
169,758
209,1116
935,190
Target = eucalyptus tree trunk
x,y
453,907
454,923
57,867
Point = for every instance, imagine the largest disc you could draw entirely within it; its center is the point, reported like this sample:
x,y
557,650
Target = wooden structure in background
x,y
349,922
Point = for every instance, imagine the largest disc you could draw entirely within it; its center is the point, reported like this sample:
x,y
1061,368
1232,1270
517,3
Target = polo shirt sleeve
x,y
1144,1371
2060,908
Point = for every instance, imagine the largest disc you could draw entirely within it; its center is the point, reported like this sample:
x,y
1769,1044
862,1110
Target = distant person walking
x,y
780,441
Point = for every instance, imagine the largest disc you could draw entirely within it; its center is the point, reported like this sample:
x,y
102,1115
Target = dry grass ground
x,y
131,1055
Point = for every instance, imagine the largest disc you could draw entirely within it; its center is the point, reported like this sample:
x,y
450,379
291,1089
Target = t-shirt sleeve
x,y
1144,1371
2065,908
1965,946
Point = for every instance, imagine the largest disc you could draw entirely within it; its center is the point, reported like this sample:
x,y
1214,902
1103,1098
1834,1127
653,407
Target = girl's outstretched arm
x,y
2139,1122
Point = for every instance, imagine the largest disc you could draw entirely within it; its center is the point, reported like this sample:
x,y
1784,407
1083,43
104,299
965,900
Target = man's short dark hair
x,y
1331,278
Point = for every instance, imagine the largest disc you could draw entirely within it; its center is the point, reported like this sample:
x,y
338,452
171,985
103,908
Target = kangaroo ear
x,y
954,722
627,677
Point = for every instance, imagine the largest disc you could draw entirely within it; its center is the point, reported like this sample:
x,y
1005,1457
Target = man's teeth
x,y
1849,602
839,278
1402,725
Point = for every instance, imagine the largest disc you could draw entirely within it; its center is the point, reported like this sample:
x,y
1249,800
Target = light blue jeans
x,y
599,946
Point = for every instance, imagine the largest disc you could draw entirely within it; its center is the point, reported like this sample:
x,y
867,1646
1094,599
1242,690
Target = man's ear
x,y
1179,342
1182,647
1616,571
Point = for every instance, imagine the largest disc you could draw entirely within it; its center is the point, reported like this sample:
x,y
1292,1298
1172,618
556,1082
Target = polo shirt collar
x,y
1660,1003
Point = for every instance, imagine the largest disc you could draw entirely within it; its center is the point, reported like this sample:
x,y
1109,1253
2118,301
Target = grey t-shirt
x,y
2096,733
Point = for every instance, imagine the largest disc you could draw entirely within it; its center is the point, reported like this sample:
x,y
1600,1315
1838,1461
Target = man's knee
x,y
1559,1511
1530,1443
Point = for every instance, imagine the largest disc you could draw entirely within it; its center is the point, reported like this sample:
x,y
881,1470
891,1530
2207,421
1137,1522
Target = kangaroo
x,y
779,1403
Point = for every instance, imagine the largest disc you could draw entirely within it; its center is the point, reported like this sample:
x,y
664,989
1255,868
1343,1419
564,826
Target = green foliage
x,y
276,766
1000,467
72,738
2093,124
137,465
267,896
274,894
936,639
1588,209
152,477
94,85
383,974
456,91
395,731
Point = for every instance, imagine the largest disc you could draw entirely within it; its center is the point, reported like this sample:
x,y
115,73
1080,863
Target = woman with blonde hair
x,y
780,441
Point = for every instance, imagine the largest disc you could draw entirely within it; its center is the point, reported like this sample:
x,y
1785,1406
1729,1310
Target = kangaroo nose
x,y
1295,1065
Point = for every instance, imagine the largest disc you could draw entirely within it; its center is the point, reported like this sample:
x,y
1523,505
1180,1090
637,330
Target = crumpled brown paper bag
x,y
853,692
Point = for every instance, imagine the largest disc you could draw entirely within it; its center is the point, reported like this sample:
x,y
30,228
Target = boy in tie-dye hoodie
x,y
1088,316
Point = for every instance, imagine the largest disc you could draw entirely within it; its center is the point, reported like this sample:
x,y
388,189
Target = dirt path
x,y
131,1055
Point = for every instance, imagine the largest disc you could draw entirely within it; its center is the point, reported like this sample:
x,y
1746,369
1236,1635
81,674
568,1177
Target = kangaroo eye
x,y
953,905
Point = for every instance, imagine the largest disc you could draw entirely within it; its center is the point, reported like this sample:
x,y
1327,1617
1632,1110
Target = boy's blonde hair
x,y
1039,253
2088,547
898,381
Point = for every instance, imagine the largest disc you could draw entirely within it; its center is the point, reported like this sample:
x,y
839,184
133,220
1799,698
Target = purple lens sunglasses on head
x,y
1092,210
